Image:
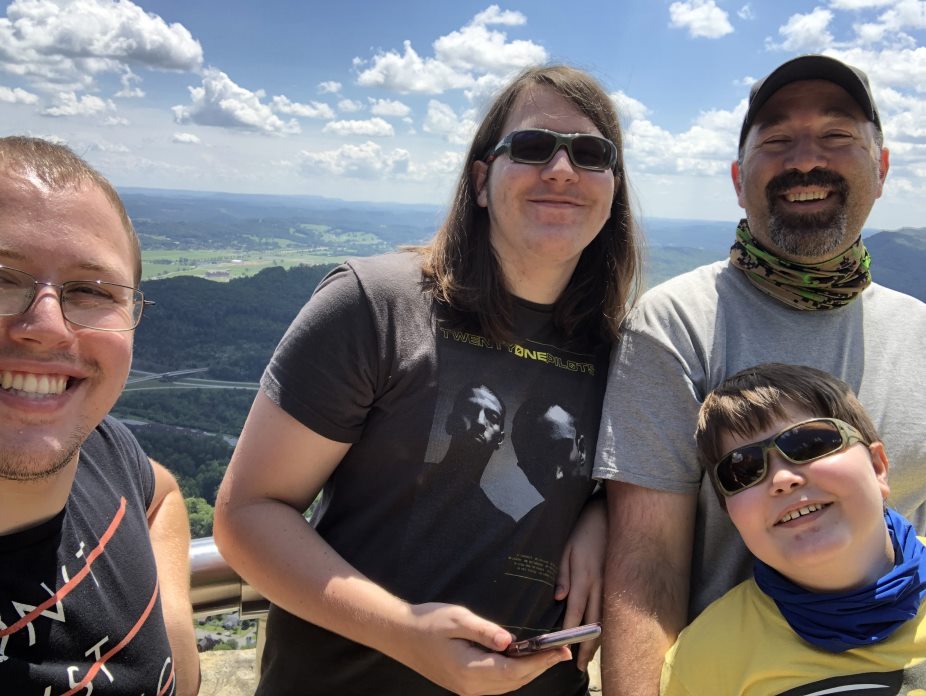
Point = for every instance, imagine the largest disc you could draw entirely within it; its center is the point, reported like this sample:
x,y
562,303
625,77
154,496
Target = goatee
x,y
817,235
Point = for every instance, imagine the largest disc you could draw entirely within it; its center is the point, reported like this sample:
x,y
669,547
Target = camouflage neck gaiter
x,y
827,285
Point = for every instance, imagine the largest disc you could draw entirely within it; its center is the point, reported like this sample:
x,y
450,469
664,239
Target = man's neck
x,y
26,504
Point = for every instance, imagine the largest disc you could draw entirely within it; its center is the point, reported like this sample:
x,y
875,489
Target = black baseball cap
x,y
811,67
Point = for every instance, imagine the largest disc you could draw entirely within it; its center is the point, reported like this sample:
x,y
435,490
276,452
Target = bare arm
x,y
169,530
277,469
581,573
647,574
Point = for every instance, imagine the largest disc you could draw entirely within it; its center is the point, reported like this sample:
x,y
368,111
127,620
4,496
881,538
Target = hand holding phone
x,y
547,641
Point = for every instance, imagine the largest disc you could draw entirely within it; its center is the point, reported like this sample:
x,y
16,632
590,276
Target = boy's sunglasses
x,y
537,146
746,466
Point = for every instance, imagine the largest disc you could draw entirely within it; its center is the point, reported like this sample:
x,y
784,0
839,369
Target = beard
x,y
816,235
30,466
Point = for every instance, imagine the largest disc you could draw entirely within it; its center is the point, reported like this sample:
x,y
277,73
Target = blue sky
x,y
376,100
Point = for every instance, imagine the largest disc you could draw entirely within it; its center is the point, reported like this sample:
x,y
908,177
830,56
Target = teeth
x,y
807,196
29,383
806,510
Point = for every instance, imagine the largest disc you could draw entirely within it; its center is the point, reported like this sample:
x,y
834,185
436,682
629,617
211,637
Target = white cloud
x,y
130,89
17,95
350,106
628,108
702,19
365,161
115,121
70,105
460,57
374,127
805,33
388,107
442,120
329,87
220,102
186,139
71,41
859,4
370,161
494,15
746,12
283,105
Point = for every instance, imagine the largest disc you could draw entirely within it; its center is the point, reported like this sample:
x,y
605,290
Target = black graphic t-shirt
x,y
470,463
80,609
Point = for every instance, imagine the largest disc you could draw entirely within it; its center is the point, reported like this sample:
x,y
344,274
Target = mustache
x,y
816,177
59,358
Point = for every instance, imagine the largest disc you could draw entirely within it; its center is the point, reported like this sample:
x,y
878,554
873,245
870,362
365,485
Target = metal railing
x,y
216,588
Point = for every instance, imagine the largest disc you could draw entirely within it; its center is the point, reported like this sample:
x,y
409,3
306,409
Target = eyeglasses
x,y
747,466
89,303
537,146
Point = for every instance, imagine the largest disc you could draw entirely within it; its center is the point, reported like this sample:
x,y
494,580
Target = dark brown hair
x,y
58,167
461,268
753,399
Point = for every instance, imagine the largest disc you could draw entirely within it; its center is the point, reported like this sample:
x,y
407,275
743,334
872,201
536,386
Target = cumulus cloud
x,y
17,95
221,102
69,104
805,33
115,121
350,106
388,107
283,105
460,57
186,139
329,87
370,161
859,4
71,41
130,87
374,127
365,161
442,120
745,12
702,19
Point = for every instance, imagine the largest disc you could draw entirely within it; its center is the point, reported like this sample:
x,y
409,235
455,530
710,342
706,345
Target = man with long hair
x,y
394,588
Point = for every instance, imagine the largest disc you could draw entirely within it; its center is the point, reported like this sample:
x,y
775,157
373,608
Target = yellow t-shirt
x,y
742,645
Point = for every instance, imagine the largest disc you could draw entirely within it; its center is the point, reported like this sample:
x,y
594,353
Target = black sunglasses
x,y
537,146
745,466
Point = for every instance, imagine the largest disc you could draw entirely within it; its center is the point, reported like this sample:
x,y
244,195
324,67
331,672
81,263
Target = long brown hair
x,y
461,268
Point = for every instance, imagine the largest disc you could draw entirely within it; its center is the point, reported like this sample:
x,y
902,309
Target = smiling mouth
x,y
802,196
30,384
800,512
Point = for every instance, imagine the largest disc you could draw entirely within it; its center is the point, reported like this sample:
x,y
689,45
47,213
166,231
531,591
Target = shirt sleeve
x,y
648,417
324,372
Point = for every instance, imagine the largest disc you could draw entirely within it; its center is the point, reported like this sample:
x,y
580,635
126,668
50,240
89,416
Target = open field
x,y
225,264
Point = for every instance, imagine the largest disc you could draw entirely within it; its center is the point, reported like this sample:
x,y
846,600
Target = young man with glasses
x,y
401,586
94,571
836,604
797,289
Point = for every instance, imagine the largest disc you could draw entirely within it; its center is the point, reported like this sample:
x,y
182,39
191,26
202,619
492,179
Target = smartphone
x,y
546,641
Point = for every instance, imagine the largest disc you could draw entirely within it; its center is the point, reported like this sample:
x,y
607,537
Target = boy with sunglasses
x,y
836,602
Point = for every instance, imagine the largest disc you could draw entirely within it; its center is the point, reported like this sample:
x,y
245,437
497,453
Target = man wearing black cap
x,y
796,289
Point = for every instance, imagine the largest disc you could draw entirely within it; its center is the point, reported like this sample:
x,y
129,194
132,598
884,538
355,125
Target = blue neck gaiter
x,y
839,621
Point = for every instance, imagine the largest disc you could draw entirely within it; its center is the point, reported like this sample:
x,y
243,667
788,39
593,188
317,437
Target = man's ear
x,y
480,174
735,174
880,464
884,163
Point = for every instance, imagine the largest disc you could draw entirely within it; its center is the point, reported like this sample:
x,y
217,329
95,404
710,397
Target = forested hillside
x,y
231,328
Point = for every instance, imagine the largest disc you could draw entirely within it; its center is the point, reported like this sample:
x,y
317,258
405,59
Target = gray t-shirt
x,y
694,331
